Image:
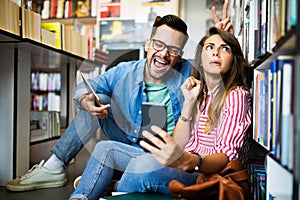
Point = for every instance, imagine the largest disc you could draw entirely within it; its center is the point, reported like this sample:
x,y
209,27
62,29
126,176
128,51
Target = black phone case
x,y
153,114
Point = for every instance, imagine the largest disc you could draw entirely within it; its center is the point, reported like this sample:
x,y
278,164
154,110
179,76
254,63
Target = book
x,y
274,70
287,127
46,9
260,78
45,125
292,14
264,29
58,29
48,38
53,8
267,108
60,8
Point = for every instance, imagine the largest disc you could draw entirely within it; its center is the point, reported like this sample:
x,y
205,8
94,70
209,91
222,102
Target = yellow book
x,y
57,28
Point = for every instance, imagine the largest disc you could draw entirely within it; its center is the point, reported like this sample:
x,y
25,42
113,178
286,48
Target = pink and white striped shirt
x,y
230,136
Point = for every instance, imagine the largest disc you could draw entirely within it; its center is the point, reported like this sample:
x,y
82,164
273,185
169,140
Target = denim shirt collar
x,y
141,70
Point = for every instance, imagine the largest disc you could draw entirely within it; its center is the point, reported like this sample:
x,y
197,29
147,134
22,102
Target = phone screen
x,y
153,114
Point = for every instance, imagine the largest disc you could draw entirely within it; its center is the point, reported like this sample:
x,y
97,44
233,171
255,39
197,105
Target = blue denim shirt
x,y
125,85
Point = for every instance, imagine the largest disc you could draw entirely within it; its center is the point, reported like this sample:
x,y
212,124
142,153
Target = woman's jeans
x,y
142,173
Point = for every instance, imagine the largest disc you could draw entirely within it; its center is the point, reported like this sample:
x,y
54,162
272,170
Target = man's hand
x,y
225,23
98,111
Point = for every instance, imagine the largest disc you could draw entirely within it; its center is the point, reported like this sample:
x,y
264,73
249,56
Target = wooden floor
x,y
74,169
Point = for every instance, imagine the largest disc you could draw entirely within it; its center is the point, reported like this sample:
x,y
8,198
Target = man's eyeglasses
x,y
160,46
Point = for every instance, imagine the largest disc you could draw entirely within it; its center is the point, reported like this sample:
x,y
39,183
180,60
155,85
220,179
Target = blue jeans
x,y
142,173
82,128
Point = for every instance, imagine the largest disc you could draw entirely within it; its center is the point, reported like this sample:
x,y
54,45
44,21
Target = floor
x,y
73,170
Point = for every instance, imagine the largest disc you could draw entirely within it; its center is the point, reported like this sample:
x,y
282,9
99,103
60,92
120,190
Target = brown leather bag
x,y
229,184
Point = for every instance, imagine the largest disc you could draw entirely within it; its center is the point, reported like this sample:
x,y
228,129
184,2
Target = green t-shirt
x,y
158,93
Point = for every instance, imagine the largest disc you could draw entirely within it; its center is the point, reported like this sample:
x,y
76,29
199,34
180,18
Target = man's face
x,y
159,62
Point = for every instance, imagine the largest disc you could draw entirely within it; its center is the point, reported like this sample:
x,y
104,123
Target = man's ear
x,y
147,45
179,59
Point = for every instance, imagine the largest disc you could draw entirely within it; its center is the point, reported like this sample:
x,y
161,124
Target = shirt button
x,y
144,93
135,131
140,112
134,139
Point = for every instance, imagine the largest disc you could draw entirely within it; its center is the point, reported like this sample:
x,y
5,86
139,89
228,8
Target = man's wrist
x,y
81,100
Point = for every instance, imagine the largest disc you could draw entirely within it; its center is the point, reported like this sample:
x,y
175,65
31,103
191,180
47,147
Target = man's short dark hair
x,y
171,21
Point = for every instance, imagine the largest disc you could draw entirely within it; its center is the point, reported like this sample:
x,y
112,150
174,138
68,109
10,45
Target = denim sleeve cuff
x,y
78,93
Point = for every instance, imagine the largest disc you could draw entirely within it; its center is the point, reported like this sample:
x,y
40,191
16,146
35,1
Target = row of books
x,y
43,81
55,34
263,24
64,8
49,101
273,108
44,125
257,180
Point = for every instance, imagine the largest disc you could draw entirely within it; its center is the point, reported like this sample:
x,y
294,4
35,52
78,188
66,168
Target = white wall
x,y
195,14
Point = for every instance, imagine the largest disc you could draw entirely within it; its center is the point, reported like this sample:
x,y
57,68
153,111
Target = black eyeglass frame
x,y
172,50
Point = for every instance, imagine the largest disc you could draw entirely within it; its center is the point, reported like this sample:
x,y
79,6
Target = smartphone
x,y
90,89
153,114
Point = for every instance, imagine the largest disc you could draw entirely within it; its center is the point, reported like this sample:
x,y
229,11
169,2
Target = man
x,y
122,90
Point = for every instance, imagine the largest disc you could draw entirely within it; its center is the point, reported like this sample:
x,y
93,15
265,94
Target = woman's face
x,y
216,56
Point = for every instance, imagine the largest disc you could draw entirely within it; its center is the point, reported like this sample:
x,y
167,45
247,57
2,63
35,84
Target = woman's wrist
x,y
186,113
199,161
185,119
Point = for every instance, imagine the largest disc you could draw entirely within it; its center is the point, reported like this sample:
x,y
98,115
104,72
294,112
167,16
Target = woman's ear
x,y
147,45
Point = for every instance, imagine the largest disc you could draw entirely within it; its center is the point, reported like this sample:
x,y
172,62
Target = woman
x,y
212,129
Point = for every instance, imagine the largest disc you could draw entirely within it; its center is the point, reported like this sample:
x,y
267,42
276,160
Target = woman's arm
x,y
171,155
190,90
210,164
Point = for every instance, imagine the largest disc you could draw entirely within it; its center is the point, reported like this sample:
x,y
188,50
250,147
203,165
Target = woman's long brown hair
x,y
235,76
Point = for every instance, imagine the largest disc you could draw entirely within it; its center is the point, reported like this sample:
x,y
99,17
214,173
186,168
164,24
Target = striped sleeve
x,y
234,122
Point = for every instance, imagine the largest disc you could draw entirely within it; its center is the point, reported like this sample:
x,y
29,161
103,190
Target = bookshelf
x,y
21,56
45,104
268,32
